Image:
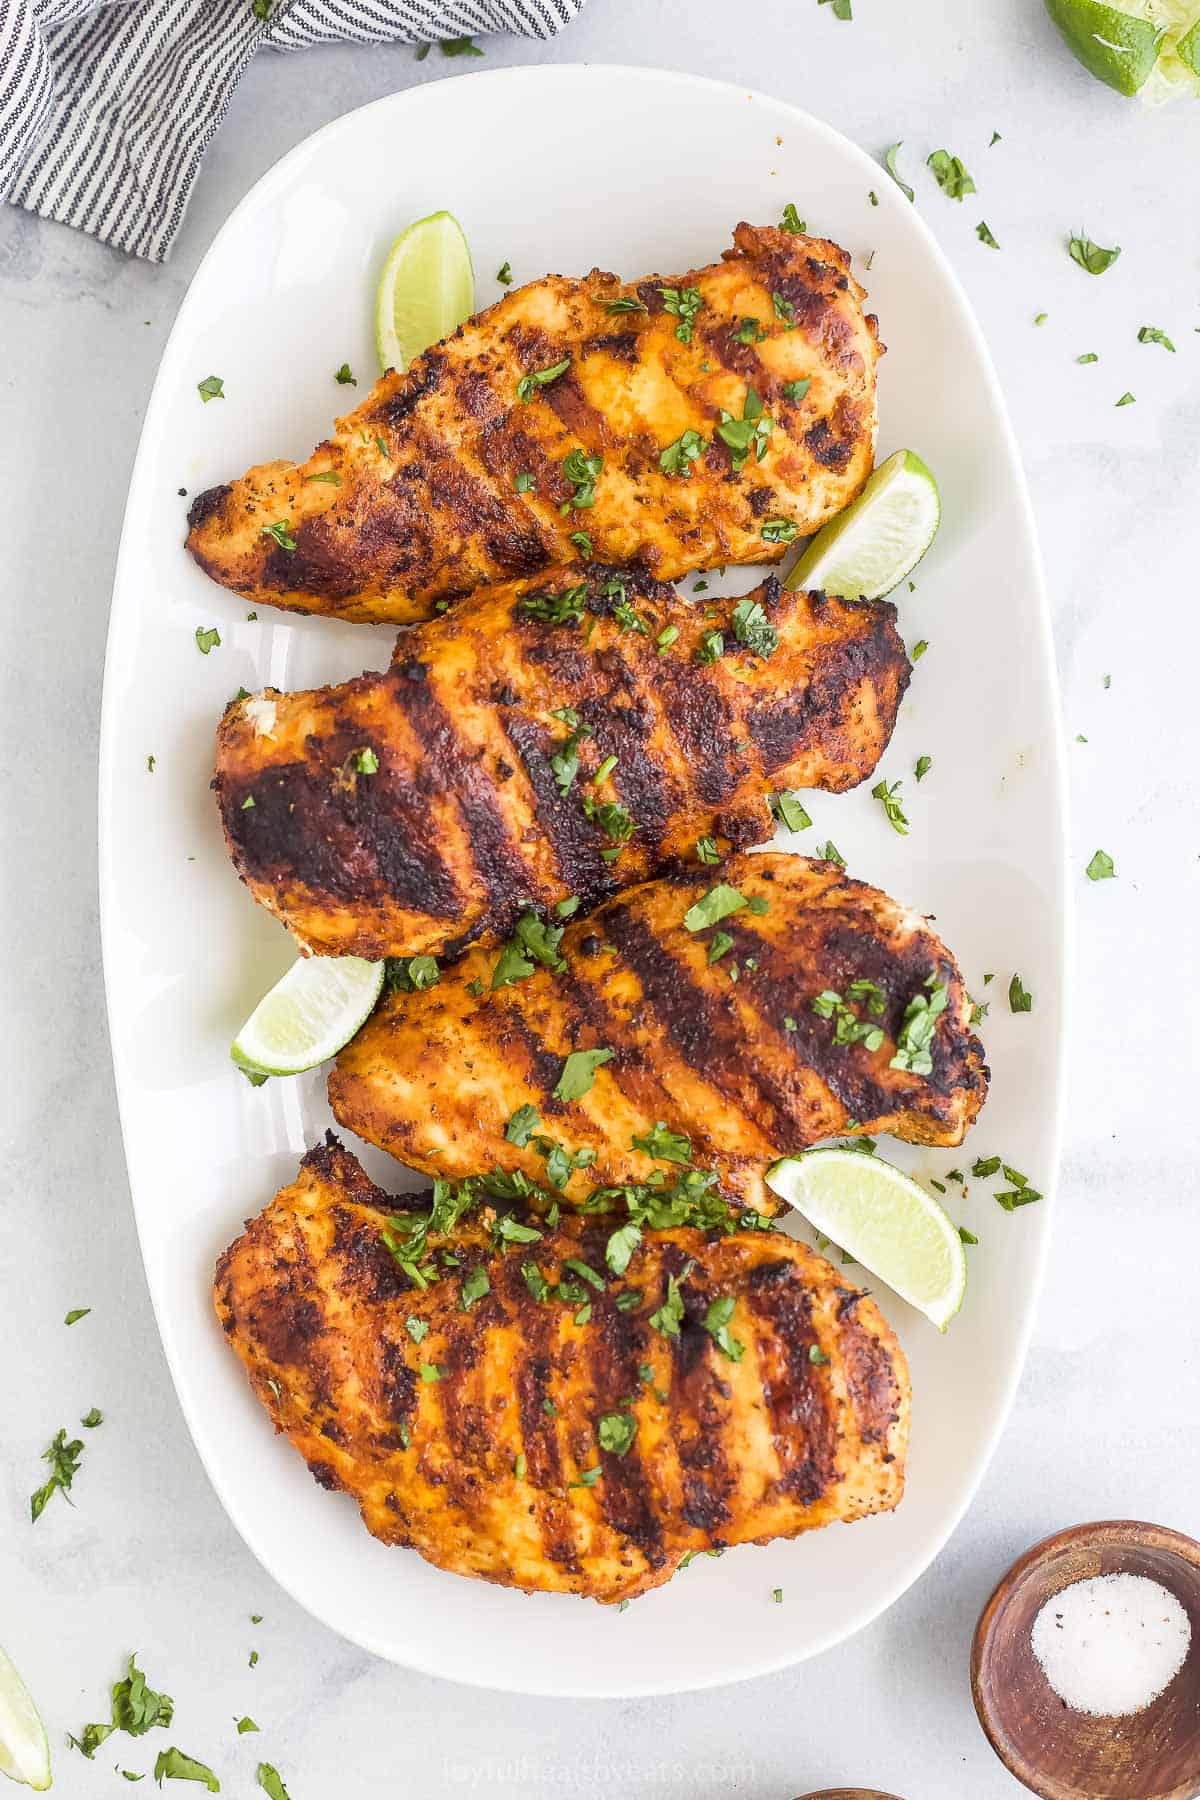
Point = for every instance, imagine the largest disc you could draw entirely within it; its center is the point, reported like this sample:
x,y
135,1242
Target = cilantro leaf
x,y
950,174
1150,334
669,1316
76,1313
716,1323
1101,867
459,46
752,627
915,1036
579,1072
788,810
474,1286
529,384
665,1145
504,274
791,220
888,794
207,640
889,163
174,1765
983,233
712,907
522,1125
615,1432
1091,257
343,376
677,458
63,1457
683,304
1019,999
211,388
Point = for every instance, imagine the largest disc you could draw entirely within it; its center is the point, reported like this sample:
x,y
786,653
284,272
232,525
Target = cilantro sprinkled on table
x,y
950,175
1019,998
268,1777
1150,334
888,795
788,809
245,1724
136,1708
63,1457
984,234
76,1313
889,163
459,46
1089,356
922,767
1127,399
1092,257
174,1765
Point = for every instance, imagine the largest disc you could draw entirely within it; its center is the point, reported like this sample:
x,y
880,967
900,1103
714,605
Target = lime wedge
x,y
308,1015
426,289
1116,44
1188,48
884,1220
883,534
24,1752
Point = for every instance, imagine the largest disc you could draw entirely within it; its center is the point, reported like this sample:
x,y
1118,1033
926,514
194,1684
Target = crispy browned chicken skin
x,y
414,499
415,810
744,1069
487,1468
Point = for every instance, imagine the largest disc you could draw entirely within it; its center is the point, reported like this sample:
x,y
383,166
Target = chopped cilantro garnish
x,y
915,1036
281,531
1101,867
1090,256
706,850
474,1286
677,458
712,907
615,1432
665,1145
211,388
796,390
63,1457
922,767
529,384
269,1779
716,1323
174,1765
522,1125
950,175
523,482
1019,998
583,471
136,1708
76,1313
459,46
791,220
627,303
669,1316
888,796
579,1072
749,433
778,531
207,640
889,163
788,809
752,627
504,274
683,304
983,233
343,376
1150,334
711,647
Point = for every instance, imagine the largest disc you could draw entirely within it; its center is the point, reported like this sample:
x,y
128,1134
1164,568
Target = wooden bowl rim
x,y
1132,1534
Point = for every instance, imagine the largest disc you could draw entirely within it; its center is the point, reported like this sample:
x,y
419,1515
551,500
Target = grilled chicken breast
x,y
548,1447
699,1005
679,422
413,811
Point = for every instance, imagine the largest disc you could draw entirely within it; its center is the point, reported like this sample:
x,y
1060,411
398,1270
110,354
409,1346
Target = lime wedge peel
x,y
1146,47
24,1751
309,1015
883,1219
880,537
426,289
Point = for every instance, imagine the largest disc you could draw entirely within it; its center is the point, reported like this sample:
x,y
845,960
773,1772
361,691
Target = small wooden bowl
x,y
1066,1755
848,1794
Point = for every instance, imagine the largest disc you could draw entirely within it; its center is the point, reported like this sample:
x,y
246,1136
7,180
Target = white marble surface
x,y
1105,1420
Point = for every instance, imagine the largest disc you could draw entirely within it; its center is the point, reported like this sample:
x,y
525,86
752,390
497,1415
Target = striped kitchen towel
x,y
107,106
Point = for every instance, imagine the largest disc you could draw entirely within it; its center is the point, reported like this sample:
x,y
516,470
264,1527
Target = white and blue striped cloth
x,y
107,106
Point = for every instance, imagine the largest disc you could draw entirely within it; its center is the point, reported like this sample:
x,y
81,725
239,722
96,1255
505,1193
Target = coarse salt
x,y
1110,1645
